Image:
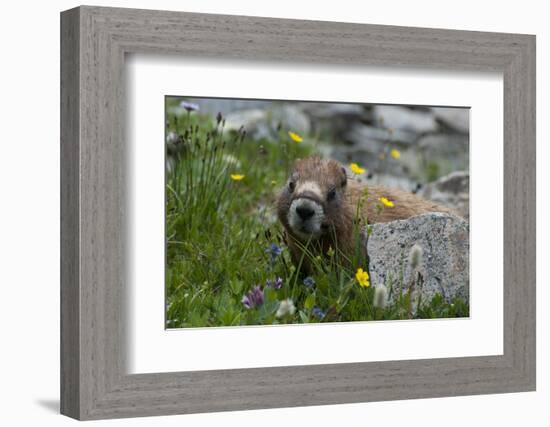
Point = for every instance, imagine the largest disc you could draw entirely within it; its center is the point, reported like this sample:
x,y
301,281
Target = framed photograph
x,y
261,213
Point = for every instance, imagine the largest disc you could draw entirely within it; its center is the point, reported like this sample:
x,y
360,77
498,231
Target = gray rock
x,y
264,123
448,143
372,161
290,117
375,138
449,152
328,110
444,265
455,118
251,120
333,121
213,106
405,119
452,191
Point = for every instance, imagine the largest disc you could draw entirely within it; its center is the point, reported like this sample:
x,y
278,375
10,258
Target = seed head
x,y
415,256
380,296
286,307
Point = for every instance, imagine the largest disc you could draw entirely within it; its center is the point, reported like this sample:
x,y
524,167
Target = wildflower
x,y
380,296
395,153
356,169
274,251
295,137
362,278
173,138
189,106
330,251
277,284
317,312
231,160
309,282
286,308
415,256
237,177
254,298
386,202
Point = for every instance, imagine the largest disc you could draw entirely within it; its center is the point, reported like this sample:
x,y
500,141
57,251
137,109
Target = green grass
x,y
219,233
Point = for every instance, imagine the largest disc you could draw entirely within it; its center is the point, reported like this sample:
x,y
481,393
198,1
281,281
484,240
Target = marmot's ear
x,y
344,177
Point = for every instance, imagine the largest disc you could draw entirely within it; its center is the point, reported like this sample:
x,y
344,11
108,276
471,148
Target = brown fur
x,y
344,213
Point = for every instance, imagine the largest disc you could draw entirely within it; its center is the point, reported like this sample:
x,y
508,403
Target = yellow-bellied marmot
x,y
320,204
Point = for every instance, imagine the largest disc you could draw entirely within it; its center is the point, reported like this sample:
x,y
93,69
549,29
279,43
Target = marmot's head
x,y
312,199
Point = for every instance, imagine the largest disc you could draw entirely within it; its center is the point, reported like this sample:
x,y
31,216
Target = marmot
x,y
320,204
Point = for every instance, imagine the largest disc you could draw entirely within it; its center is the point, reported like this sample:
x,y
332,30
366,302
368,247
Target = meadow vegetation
x,y
227,263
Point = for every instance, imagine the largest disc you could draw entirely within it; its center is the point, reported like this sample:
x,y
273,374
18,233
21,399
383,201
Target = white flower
x,y
380,296
231,160
415,256
286,307
172,138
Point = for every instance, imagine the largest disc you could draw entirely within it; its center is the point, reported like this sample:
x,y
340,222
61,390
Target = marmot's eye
x,y
291,186
331,195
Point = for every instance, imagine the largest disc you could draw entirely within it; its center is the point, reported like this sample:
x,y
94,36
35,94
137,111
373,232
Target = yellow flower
x,y
386,202
237,177
362,278
356,169
295,137
395,153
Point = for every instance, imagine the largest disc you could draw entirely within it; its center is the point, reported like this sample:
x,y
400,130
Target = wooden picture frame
x,y
94,41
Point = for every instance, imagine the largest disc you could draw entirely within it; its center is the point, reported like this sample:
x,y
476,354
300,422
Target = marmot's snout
x,y
311,197
306,216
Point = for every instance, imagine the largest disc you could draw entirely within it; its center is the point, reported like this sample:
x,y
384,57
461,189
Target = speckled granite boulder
x,y
444,265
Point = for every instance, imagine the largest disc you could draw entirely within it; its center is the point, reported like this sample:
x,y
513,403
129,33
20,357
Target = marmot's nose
x,y
305,212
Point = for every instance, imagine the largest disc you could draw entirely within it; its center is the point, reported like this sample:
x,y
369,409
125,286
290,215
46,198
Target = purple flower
x,y
254,298
274,252
277,284
189,106
317,312
309,282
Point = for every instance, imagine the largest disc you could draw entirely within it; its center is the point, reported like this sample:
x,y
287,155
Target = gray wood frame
x,y
94,41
